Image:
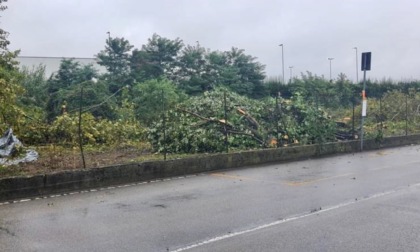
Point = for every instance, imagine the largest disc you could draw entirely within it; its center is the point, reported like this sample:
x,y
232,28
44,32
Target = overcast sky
x,y
311,31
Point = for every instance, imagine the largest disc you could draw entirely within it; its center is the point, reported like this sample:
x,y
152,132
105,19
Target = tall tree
x,y
156,58
116,59
10,90
195,73
64,90
202,70
244,74
35,85
3,34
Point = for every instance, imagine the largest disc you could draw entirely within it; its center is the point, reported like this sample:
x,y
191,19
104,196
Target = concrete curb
x,y
65,181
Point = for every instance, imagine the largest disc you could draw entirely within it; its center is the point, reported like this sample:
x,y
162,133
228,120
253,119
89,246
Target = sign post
x,y
366,59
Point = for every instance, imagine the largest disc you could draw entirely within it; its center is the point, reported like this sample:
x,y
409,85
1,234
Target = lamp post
x,y
357,68
330,59
291,73
282,61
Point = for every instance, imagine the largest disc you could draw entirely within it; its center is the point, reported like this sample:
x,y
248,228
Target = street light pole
x,y
282,61
291,73
357,68
330,59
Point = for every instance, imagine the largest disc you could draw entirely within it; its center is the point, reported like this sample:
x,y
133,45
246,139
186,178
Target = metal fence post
x,y
80,128
164,125
277,121
406,114
225,124
352,126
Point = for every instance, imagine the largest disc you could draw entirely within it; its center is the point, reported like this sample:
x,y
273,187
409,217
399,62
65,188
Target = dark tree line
x,y
192,68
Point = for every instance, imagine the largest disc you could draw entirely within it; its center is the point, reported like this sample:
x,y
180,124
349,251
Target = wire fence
x,y
233,125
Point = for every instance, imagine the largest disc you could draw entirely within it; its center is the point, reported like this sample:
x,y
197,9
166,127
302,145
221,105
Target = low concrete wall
x,y
59,182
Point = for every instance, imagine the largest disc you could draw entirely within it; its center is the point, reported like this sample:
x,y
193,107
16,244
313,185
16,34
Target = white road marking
x,y
99,189
293,218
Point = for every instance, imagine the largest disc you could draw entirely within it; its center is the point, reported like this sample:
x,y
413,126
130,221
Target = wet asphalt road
x,y
363,202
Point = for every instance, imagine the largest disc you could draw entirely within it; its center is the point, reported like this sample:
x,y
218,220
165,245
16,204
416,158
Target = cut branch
x,y
251,120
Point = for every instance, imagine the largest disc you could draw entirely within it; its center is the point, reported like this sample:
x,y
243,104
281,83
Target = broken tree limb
x,y
251,120
255,135
207,120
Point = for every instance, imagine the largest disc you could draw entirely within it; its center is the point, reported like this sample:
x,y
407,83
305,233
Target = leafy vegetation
x,y
178,98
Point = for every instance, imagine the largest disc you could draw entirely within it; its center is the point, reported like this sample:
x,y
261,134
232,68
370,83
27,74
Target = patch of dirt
x,y
53,160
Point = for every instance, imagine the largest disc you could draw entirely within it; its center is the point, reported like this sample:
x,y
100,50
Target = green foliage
x,y
198,124
147,86
244,75
35,86
64,91
181,137
304,122
188,132
11,114
312,124
195,75
69,74
203,70
157,58
151,97
394,113
64,130
4,42
275,86
344,92
116,59
33,129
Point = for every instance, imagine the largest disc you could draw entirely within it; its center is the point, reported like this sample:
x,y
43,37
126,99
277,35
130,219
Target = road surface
x,y
366,201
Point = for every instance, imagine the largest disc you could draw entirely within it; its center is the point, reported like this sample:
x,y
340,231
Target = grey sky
x,y
311,31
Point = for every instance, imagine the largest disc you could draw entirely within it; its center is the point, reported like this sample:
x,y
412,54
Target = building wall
x,y
52,64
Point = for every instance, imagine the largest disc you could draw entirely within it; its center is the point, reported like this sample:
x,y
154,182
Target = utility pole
x,y
330,59
282,62
357,68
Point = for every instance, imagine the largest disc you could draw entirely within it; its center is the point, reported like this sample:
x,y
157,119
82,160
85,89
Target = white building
x,y
52,64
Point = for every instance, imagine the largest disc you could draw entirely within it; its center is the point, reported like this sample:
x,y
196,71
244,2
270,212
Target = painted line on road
x,y
308,182
293,218
393,166
222,175
98,189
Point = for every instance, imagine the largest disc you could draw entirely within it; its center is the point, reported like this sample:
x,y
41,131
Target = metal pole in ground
x,y
364,104
225,124
164,125
366,59
357,68
277,121
282,62
406,114
80,128
352,129
380,112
